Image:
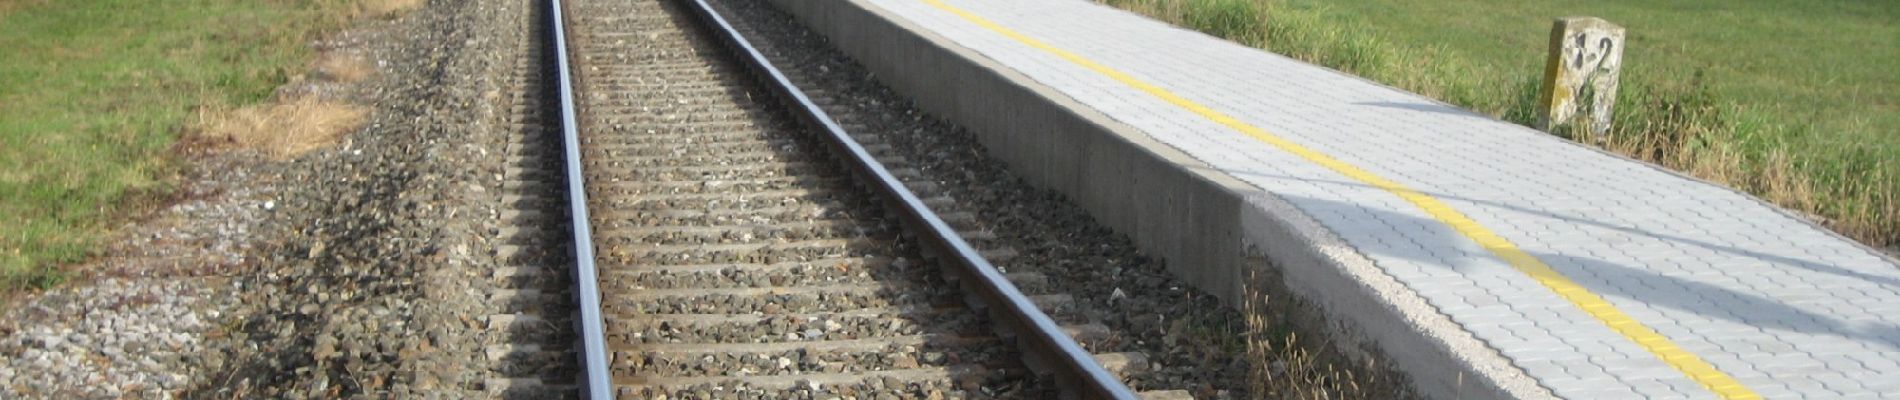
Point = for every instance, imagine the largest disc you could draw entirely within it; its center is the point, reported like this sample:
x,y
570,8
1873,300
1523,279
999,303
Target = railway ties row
x,y
757,269
737,258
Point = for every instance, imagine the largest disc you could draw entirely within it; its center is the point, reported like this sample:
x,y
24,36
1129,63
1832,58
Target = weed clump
x,y
1232,19
285,130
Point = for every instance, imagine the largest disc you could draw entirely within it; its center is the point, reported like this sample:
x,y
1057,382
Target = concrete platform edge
x,y
1224,236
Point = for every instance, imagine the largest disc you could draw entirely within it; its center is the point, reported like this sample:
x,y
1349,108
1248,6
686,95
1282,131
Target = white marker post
x,y
1586,56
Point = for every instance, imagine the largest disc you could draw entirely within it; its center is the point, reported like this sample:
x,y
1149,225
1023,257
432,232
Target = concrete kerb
x,y
1224,236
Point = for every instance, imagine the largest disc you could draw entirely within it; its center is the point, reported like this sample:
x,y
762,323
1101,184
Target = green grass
x,y
1794,101
94,92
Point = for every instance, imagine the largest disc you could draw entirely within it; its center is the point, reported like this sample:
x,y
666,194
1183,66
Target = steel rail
x,y
1075,369
596,383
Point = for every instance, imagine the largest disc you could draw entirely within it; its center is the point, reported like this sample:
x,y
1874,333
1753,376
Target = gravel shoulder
x,y
354,270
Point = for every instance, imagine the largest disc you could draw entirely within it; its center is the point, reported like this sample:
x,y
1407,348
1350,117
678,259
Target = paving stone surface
x,y
1786,308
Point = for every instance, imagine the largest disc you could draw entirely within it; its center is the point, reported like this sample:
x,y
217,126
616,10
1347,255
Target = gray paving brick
x,y
1889,384
1566,385
1840,383
1775,390
1654,389
1809,387
1877,362
1602,392
1778,303
1647,369
1551,354
1834,353
1543,368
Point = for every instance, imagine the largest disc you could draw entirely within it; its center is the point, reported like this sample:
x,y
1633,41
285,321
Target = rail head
x,y
596,382
1037,333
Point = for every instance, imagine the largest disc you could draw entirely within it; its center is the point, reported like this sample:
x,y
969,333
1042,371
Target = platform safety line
x,y
1692,366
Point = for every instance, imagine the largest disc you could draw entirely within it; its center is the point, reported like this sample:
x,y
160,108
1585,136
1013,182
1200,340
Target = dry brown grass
x,y
1869,215
387,8
341,68
1292,360
1298,369
283,130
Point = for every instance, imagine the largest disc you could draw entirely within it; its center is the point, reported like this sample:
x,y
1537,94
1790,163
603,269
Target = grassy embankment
x,y
93,94
1794,101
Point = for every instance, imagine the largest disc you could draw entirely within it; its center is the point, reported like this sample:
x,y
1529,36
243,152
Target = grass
x,y
93,94
1793,101
286,129
1290,354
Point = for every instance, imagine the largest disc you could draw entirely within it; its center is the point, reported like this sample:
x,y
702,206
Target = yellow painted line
x,y
1694,367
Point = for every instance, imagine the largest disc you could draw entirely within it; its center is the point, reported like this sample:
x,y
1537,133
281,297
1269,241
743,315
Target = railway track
x,y
738,242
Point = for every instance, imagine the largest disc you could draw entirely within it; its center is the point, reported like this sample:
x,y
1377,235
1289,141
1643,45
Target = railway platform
x,y
1483,258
